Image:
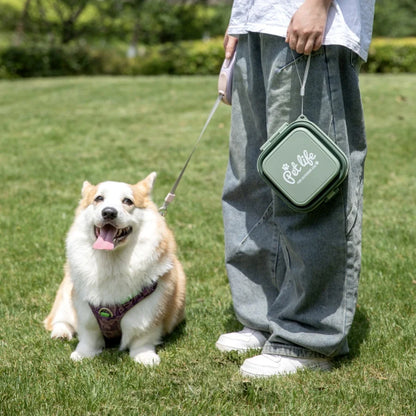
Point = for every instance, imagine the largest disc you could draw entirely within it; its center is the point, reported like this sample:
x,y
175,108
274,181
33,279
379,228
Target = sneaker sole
x,y
226,348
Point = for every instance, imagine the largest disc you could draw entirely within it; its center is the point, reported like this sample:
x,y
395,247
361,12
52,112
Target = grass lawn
x,y
55,133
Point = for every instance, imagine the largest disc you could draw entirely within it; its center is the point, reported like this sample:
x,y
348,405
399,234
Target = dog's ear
x,y
143,190
150,181
86,188
87,193
147,183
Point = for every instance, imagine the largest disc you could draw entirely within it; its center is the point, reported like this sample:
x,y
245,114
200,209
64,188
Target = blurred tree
x,y
68,12
395,18
35,18
159,21
144,21
21,24
156,21
134,7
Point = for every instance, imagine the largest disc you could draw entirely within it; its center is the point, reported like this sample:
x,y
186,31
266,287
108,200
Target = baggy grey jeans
x,y
293,276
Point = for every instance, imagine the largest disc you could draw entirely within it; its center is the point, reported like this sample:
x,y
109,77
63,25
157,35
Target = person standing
x,y
293,276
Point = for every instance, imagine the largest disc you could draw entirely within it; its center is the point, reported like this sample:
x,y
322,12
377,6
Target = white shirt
x,y
350,22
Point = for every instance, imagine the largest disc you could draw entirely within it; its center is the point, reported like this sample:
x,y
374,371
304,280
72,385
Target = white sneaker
x,y
267,365
241,341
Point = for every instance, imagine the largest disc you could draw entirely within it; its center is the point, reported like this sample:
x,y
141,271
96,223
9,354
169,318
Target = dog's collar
x,y
109,316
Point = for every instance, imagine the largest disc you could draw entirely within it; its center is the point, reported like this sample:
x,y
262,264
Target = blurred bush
x,y
44,60
203,57
182,58
391,55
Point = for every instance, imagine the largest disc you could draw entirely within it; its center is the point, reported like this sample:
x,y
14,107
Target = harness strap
x,y
110,316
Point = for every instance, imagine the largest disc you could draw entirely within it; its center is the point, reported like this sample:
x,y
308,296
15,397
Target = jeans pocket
x,y
293,58
352,210
355,61
267,214
352,216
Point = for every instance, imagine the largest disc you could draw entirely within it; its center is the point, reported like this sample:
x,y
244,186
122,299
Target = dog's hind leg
x,y
62,319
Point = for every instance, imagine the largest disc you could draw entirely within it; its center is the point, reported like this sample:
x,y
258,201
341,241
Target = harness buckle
x,y
105,313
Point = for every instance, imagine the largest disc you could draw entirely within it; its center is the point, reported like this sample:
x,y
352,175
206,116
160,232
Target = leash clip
x,y
164,208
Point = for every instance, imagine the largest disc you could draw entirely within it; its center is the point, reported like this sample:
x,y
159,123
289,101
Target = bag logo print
x,y
292,171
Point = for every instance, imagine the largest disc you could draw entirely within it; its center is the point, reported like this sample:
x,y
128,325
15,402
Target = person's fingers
x,y
306,28
318,42
311,44
304,44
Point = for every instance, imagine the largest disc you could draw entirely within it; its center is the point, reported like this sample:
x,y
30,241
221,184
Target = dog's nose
x,y
109,213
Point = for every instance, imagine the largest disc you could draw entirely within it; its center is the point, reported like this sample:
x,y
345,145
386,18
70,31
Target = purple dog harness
x,y
109,317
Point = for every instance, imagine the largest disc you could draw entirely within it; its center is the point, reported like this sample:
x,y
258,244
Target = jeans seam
x,y
332,119
290,351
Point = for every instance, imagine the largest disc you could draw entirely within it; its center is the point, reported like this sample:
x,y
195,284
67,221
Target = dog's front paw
x,y
62,330
80,354
76,356
147,358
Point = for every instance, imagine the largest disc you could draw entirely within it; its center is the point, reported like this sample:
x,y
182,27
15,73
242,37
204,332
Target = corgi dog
x,y
123,283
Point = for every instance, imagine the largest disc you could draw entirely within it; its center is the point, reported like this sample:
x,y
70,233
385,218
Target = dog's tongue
x,y
105,238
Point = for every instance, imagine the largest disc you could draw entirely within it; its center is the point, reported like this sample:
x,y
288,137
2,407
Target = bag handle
x,y
302,82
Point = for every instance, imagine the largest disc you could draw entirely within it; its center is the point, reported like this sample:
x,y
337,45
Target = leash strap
x,y
171,195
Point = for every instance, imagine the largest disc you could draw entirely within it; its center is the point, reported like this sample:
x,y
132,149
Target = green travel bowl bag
x,y
302,165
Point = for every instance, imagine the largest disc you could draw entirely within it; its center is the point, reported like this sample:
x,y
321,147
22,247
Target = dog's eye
x,y
127,201
99,198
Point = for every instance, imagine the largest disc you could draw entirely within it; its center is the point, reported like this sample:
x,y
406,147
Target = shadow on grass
x,y
232,324
359,332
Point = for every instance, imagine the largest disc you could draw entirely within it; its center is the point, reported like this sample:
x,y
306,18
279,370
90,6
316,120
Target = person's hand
x,y
307,26
230,43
